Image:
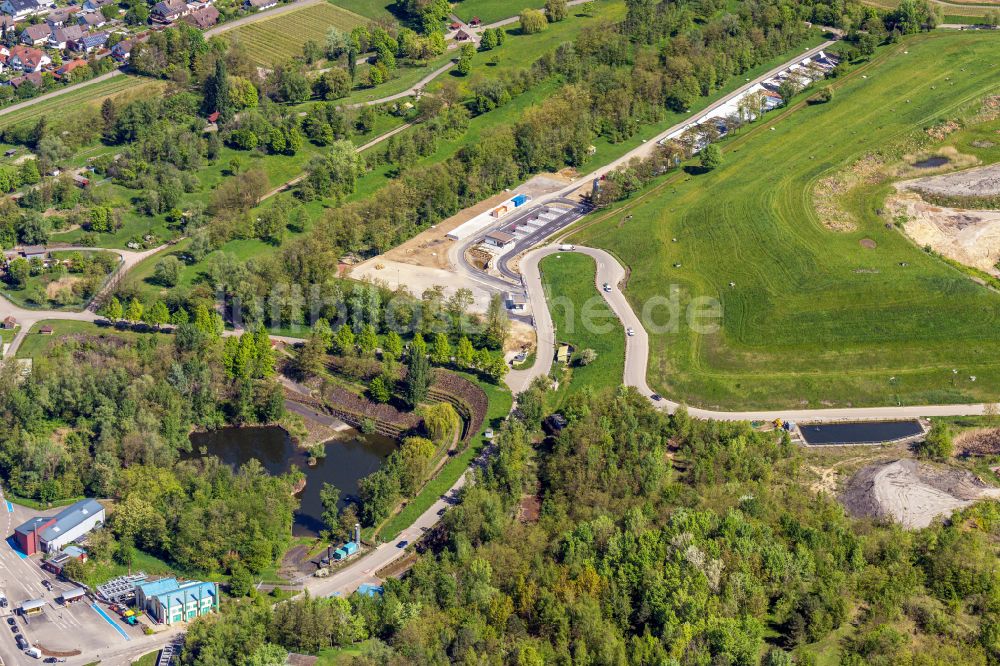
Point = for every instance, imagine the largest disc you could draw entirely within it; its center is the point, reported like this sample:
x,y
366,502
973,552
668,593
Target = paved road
x,y
26,317
412,90
637,353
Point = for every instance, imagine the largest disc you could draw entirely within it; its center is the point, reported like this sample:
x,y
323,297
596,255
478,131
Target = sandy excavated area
x,y
977,182
911,493
416,279
971,237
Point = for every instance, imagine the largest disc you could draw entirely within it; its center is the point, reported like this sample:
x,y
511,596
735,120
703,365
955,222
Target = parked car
x,y
11,621
402,544
607,287
441,511
630,332
47,584
657,397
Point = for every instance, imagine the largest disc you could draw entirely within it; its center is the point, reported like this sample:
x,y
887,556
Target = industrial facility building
x,y
168,601
45,534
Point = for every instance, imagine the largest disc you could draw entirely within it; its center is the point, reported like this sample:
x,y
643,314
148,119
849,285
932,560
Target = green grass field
x,y
489,11
87,95
815,319
371,9
35,344
571,292
276,40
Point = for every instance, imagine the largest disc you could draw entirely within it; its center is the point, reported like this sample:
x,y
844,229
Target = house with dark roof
x,y
203,18
96,5
91,20
20,9
57,17
27,59
122,50
31,78
61,38
168,11
36,35
259,4
51,533
88,43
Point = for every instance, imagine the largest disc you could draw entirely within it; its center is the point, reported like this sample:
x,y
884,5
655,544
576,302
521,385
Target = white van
x,y
33,652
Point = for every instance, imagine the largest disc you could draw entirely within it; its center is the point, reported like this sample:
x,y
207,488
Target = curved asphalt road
x,y
637,353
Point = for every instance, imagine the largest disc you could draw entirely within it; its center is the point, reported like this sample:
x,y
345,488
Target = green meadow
x,y
811,316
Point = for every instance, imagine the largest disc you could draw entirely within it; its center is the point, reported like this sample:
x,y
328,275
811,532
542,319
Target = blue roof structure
x,y
70,517
171,593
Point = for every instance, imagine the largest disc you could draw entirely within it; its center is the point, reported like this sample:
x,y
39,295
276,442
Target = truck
x,y
566,248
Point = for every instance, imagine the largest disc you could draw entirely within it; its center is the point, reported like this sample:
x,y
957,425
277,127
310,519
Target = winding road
x,y
637,353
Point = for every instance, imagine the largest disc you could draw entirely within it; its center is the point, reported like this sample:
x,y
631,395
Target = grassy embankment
x,y
816,319
571,293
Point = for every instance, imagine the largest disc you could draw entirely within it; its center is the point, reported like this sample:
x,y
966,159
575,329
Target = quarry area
x,y
969,236
912,493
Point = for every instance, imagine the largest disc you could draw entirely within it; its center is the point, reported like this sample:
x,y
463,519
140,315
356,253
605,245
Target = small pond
x,y
349,458
862,432
931,162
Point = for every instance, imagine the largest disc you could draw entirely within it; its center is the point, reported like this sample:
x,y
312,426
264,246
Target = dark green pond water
x,y
348,459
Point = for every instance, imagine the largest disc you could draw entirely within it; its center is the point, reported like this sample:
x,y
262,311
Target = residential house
x,y
52,533
259,5
168,601
96,5
7,23
36,35
92,20
9,322
168,11
61,38
67,69
31,78
88,43
462,36
27,59
59,17
122,50
203,18
21,9
475,22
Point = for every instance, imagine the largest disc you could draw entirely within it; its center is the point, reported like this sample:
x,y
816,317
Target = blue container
x,y
520,200
350,548
339,554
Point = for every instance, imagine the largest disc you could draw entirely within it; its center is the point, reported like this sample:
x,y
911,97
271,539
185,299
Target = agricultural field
x,y
274,41
84,95
570,290
812,316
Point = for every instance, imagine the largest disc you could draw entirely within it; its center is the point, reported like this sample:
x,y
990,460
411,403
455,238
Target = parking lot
x,y
73,630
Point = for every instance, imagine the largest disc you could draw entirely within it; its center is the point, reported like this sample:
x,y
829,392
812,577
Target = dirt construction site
x,y
969,236
912,493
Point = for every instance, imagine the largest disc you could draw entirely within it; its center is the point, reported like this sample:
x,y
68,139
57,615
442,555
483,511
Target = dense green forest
x,y
660,540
